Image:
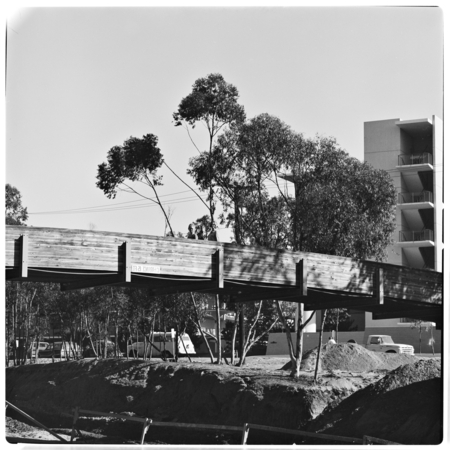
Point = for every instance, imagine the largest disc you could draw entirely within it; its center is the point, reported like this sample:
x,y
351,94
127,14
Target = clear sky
x,y
80,81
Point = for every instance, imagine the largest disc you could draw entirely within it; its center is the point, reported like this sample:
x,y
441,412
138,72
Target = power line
x,y
138,205
123,208
107,207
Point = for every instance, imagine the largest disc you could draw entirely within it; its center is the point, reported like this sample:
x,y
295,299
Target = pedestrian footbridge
x,y
79,259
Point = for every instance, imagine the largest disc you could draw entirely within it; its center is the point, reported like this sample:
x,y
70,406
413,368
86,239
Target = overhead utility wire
x,y
123,208
109,208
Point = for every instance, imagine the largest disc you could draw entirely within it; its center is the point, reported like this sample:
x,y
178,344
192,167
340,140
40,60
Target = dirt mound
x,y
352,358
227,395
405,406
192,393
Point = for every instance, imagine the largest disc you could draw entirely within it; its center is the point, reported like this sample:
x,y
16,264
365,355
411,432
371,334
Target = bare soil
x,y
353,383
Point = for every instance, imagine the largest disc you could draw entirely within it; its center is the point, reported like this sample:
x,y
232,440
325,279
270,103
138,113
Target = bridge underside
x,y
78,259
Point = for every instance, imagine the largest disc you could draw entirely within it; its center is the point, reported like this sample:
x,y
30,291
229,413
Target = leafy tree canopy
x,y
213,101
340,206
136,160
15,212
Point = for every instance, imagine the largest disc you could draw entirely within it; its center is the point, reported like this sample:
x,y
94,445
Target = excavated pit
x,y
199,392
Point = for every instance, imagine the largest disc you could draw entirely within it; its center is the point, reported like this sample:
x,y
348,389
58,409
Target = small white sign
x,y
145,269
173,333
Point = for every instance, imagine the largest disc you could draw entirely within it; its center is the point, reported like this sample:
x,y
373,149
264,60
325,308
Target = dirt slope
x,y
187,392
224,395
405,406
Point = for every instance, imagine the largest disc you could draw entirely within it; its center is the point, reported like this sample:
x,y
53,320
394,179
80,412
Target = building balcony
x,y
416,238
415,200
424,161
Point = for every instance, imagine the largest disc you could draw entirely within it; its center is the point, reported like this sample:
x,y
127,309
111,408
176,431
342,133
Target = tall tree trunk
x,y
136,355
177,336
233,336
164,343
198,324
152,334
288,333
144,356
218,333
319,348
241,329
116,345
295,373
298,343
89,336
105,350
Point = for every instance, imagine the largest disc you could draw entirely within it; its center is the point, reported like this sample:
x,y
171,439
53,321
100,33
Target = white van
x,y
185,346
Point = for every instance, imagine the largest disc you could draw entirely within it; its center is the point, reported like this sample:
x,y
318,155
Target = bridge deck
x,y
81,258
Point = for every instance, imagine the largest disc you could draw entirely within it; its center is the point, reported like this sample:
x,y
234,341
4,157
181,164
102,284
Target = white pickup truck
x,y
384,343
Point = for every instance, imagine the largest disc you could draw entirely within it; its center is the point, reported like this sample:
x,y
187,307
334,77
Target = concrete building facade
x,y
411,151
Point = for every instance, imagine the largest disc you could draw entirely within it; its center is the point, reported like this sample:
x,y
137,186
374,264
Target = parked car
x,y
99,347
42,347
63,350
185,346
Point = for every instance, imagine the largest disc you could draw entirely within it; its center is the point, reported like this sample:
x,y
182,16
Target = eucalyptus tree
x,y
136,161
214,103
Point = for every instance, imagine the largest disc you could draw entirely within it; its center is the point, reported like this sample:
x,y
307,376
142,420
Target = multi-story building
x,y
412,152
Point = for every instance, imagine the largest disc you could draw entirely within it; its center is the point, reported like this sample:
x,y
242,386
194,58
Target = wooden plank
x,y
126,248
197,426
87,238
306,433
110,261
118,416
24,256
64,264
302,277
217,263
368,440
21,440
378,285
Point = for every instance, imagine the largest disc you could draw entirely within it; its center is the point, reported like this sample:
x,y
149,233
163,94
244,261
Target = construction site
x,y
360,397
